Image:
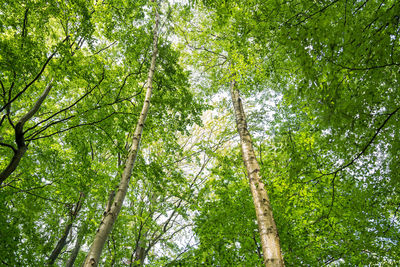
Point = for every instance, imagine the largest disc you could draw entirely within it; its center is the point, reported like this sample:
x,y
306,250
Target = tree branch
x,y
10,146
365,147
72,127
102,49
34,79
68,107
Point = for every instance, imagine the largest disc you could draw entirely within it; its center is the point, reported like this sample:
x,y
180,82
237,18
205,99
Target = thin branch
x,y
34,79
37,105
102,49
187,248
367,68
68,107
360,7
2,119
23,33
393,220
73,116
10,146
38,196
72,127
44,128
2,87
12,181
199,48
311,15
365,147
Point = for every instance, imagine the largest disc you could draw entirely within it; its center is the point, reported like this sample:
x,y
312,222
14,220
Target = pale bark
x,y
107,223
266,224
19,152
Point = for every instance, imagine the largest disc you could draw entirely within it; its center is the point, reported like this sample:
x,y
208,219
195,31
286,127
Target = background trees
x,y
320,83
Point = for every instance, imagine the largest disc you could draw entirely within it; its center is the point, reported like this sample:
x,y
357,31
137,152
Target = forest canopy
x,y
199,133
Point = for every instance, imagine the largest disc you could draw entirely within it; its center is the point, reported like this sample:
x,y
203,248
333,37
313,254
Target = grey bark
x,y
63,240
107,223
139,255
77,247
266,225
19,135
60,245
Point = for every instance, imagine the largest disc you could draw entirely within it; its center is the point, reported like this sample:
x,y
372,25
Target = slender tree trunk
x,y
19,152
60,245
77,247
63,240
266,224
141,249
139,254
106,224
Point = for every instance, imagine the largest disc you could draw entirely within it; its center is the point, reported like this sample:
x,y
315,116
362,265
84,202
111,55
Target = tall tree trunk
x,y
266,224
107,223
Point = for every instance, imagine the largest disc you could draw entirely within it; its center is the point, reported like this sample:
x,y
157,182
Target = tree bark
x,y
63,240
77,247
139,255
19,135
107,223
60,245
266,224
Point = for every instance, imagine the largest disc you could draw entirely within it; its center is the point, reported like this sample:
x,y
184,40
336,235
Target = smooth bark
x,y
137,258
107,223
77,247
60,245
63,240
266,224
19,152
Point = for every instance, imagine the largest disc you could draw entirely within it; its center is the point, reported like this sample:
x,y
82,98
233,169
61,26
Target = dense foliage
x,y
320,81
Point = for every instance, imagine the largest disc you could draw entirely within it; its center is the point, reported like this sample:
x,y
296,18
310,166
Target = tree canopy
x,y
98,94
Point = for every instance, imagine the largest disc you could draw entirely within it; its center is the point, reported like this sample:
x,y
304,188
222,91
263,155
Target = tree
x,y
35,60
274,42
267,227
317,81
116,201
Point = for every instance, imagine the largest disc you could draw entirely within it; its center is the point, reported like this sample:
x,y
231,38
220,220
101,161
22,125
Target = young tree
x,y
111,214
266,223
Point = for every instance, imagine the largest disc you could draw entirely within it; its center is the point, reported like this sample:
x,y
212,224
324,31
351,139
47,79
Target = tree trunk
x,y
139,255
266,224
75,251
12,166
19,135
77,247
143,245
106,224
60,245
63,240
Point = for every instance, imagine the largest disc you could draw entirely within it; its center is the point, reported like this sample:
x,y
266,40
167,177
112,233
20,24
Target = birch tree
x,y
116,202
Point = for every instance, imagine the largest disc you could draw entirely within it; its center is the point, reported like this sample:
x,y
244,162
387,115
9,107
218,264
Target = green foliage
x,y
328,71
226,227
